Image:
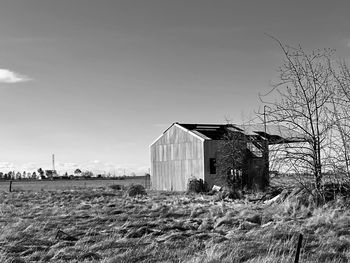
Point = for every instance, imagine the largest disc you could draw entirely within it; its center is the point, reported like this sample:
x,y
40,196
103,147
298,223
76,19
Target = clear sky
x,y
95,82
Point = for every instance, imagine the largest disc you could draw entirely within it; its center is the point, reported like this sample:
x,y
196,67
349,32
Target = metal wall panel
x,y
176,157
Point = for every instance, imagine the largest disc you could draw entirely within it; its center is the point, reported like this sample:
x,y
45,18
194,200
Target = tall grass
x,y
106,225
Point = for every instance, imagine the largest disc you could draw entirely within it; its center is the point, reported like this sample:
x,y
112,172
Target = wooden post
x,y
10,186
300,240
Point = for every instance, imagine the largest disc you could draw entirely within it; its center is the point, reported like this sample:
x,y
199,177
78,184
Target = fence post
x,y
300,240
10,186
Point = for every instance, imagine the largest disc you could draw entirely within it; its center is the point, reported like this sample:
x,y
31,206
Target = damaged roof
x,y
275,134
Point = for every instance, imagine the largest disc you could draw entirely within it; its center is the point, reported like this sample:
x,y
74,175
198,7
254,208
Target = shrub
x,y
115,187
197,186
135,190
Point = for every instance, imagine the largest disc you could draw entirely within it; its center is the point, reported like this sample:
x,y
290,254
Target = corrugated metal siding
x,y
175,158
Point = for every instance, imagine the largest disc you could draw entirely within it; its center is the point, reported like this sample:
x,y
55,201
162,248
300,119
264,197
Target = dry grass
x,y
106,225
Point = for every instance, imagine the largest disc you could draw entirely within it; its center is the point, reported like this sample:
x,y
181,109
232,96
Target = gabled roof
x,y
275,134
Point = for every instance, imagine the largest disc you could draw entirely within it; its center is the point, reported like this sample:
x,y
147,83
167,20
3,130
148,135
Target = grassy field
x,y
48,185
99,224
295,180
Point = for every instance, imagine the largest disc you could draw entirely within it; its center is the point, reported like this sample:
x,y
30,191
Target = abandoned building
x,y
186,151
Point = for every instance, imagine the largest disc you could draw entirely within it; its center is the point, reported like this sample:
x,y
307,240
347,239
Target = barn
x,y
186,151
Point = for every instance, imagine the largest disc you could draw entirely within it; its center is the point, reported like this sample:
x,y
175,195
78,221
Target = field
x,y
99,224
48,185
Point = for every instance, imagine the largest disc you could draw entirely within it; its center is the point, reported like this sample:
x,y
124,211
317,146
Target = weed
x,y
136,190
196,186
115,187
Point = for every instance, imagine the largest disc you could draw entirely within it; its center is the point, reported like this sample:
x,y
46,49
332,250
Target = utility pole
x,y
265,118
53,163
265,144
53,166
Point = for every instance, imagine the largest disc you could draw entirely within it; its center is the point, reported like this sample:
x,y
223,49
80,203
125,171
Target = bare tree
x,y
340,115
232,150
300,100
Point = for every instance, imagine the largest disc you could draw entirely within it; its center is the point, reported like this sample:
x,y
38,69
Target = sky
x,y
96,82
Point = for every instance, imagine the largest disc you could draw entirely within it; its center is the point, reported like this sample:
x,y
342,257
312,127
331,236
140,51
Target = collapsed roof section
x,y
206,131
275,134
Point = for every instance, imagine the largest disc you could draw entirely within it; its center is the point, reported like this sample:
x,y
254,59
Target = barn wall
x,y
210,151
176,157
255,170
254,173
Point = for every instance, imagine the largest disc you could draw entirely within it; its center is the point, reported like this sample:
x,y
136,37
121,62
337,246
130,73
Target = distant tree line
x,y
41,174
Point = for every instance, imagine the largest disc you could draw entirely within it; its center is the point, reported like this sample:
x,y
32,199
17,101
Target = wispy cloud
x,y
6,166
8,76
